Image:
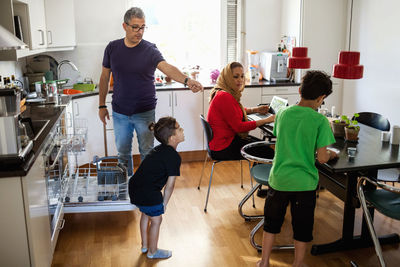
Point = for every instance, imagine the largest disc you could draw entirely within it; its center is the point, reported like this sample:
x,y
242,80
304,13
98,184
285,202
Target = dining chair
x,y
209,135
260,173
374,120
382,197
379,122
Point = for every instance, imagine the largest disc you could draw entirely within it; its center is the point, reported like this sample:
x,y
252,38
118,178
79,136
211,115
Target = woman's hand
x,y
262,109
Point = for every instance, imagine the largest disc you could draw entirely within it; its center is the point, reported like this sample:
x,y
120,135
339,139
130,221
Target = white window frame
x,y
235,15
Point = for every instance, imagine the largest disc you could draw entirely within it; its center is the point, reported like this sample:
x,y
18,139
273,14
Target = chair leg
x,y
247,196
202,172
251,184
259,247
209,185
370,224
241,174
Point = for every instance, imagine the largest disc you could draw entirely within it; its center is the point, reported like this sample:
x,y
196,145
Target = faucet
x,y
62,63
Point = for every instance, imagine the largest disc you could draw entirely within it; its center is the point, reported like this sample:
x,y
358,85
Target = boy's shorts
x,y
152,211
302,206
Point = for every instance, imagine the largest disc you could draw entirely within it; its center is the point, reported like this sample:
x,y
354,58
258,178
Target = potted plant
x,y
338,126
352,129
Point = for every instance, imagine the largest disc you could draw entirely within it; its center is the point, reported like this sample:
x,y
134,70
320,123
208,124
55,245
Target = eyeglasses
x,y
137,28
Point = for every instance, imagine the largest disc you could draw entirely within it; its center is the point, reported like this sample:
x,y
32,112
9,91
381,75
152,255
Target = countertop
x,y
175,86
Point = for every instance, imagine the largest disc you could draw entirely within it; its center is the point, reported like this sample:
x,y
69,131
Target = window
x,y
192,32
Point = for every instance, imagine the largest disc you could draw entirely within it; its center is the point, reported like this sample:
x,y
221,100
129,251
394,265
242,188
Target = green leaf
x,y
356,115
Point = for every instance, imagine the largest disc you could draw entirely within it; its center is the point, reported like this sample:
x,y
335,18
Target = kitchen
x,y
372,31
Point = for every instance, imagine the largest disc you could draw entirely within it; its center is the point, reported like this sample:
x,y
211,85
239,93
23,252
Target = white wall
x,y
324,33
290,19
376,35
263,25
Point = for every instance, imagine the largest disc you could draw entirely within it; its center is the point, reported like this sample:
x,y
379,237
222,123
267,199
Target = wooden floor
x,y
219,237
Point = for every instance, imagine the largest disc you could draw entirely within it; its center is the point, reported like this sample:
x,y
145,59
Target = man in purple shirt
x,y
133,62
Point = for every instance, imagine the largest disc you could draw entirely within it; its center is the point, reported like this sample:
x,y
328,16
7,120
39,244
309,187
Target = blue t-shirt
x,y
133,73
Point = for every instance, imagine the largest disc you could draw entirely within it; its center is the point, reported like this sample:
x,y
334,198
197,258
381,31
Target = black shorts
x,y
302,206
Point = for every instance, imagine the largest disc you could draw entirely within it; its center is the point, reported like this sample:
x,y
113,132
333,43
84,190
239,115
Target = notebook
x,y
277,103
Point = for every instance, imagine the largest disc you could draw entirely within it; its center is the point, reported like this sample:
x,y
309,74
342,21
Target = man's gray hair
x,y
134,12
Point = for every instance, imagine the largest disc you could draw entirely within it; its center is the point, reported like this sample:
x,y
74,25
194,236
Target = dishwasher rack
x,y
100,186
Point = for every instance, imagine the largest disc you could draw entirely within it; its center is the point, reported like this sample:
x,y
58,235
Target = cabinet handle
x,y
77,109
42,35
169,99
50,36
282,89
62,224
176,100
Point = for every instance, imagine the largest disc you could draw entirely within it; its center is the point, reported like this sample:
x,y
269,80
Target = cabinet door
x,y
37,24
60,23
163,107
85,112
187,107
251,97
37,214
164,104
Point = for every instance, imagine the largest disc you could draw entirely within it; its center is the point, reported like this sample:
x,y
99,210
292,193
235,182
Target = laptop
x,y
277,103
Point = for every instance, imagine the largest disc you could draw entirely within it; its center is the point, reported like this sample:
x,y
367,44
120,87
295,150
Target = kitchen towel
x,y
395,137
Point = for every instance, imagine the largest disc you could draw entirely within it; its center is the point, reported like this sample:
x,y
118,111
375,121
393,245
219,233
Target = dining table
x,y
340,175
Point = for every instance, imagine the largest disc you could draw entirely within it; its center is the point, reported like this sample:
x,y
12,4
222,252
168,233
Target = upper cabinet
x,y
37,24
45,25
60,23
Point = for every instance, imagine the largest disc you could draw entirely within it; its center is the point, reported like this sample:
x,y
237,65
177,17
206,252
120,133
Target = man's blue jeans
x,y
123,131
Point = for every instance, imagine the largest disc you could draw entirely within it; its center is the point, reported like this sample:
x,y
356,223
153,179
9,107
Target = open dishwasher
x,y
100,186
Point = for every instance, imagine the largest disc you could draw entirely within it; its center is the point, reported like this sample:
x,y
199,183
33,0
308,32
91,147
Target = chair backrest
x,y
374,120
207,132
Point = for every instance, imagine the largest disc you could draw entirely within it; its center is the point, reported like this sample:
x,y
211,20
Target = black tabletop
x,y
371,153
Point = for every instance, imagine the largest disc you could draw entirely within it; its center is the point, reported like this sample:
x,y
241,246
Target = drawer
x,y
280,90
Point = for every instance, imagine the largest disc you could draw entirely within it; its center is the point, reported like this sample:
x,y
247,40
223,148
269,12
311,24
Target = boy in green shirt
x,y
300,132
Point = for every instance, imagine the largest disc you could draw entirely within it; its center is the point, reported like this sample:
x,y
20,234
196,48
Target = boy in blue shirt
x,y
158,170
300,132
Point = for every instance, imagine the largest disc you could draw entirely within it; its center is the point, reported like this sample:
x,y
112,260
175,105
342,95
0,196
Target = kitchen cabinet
x,y
37,24
291,93
25,222
251,97
32,13
60,23
85,116
186,107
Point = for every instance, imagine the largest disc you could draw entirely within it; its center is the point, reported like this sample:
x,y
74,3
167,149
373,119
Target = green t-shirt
x,y
299,132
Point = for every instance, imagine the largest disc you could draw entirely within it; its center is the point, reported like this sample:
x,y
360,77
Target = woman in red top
x,y
228,118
